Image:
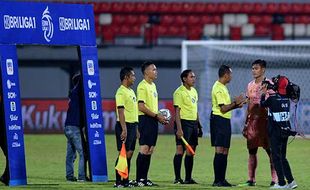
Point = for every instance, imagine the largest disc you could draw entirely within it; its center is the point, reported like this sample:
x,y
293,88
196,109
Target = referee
x,y
185,100
148,121
220,127
127,119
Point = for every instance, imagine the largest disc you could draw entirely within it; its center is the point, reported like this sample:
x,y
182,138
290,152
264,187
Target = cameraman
x,y
278,105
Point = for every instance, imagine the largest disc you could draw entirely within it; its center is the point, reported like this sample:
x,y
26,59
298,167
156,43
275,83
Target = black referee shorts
x,y
190,132
220,131
131,136
148,128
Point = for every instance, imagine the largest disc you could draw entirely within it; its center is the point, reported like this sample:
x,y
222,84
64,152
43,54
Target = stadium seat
x,y
248,30
107,34
235,33
193,20
288,29
241,19
277,32
103,7
271,8
308,30
117,7
188,7
131,19
152,7
284,8
266,19
164,7
105,19
176,8
129,7
142,19
194,33
118,19
235,7
247,8
216,19
199,7
254,19
180,19
259,8
166,20
209,30
297,8
141,7
299,30
262,30
224,8
229,19
211,8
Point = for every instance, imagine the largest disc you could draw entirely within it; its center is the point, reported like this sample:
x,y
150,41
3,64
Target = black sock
x,y
126,181
117,176
224,166
216,167
147,165
177,163
188,162
139,166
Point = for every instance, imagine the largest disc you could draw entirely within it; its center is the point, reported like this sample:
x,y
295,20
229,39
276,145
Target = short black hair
x,y
145,65
262,63
223,70
185,74
125,71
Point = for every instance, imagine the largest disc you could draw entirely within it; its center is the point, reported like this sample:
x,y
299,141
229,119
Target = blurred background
x,y
129,32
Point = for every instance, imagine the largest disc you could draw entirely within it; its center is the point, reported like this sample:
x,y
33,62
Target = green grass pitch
x,y
45,161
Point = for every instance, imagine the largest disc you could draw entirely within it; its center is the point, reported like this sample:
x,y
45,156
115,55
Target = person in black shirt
x,y
5,176
278,105
73,125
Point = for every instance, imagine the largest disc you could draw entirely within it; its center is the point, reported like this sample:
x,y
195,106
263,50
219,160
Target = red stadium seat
x,y
193,20
142,19
187,7
103,7
141,7
117,7
284,8
131,19
152,7
216,19
166,20
164,7
235,33
107,34
254,19
180,19
271,8
306,8
303,19
176,8
262,30
129,7
118,19
289,19
247,7
297,8
266,19
259,8
207,19
224,8
235,7
211,8
277,32
199,8
194,33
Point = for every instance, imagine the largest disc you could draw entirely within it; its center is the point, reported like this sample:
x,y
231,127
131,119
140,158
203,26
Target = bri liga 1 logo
x,y
47,25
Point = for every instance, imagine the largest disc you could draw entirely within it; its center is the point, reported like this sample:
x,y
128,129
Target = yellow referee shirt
x,y
187,101
126,97
220,95
147,93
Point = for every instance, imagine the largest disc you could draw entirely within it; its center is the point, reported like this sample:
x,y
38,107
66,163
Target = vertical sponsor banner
x,y
93,111
12,115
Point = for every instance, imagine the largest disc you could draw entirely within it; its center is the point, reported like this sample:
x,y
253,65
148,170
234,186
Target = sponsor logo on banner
x,y
97,142
14,127
9,67
95,125
73,24
91,84
97,134
90,67
13,106
15,144
47,25
13,117
15,137
11,95
19,22
92,94
94,116
93,105
10,84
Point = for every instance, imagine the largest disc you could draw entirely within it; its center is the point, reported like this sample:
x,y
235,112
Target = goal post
x,y
288,58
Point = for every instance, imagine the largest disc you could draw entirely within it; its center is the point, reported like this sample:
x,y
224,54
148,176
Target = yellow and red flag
x,y
188,147
122,166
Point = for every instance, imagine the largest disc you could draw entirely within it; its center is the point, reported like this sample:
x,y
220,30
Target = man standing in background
x,y
220,127
185,101
127,120
148,121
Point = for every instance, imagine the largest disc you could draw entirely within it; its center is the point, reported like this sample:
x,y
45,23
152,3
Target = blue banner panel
x,y
12,115
93,110
46,24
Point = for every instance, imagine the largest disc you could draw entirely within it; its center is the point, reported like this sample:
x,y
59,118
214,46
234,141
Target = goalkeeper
x,y
255,130
185,100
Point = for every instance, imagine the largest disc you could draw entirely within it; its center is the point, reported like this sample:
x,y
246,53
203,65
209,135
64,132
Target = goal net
x,y
288,58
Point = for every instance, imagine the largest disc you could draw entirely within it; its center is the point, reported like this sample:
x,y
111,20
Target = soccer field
x,y
45,157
